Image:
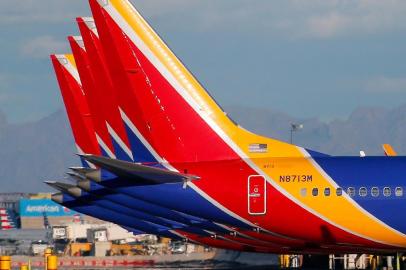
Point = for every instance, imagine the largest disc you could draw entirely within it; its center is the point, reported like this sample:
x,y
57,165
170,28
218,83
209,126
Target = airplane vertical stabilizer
x,y
91,92
106,89
75,104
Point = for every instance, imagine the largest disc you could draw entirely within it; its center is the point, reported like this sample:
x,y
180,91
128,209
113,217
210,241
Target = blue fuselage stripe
x,y
372,172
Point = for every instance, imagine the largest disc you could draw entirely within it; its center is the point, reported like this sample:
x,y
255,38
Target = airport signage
x,y
43,207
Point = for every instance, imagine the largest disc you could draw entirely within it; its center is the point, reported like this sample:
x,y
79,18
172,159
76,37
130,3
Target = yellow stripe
x,y
339,210
193,87
389,151
170,61
71,60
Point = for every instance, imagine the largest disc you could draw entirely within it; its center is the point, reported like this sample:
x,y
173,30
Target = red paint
x,y
77,109
183,138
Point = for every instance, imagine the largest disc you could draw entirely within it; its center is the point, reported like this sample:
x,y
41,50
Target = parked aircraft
x,y
176,150
89,198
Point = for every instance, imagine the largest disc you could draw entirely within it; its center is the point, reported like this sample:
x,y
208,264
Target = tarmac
x,y
220,259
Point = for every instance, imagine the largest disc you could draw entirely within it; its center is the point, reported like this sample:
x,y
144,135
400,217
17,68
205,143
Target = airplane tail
x,y
105,89
75,104
168,109
119,64
389,151
91,93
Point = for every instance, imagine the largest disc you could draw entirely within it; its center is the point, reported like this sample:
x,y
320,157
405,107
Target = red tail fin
x,y
169,118
91,92
127,76
105,89
75,104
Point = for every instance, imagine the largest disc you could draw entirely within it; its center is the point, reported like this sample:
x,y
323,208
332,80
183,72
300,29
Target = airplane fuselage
x,y
342,200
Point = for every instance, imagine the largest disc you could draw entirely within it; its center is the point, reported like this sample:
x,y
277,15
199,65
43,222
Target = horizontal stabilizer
x,y
75,176
82,170
135,171
57,197
65,188
85,185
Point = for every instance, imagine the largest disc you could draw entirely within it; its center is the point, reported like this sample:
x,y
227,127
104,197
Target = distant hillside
x,y
43,150
365,129
34,152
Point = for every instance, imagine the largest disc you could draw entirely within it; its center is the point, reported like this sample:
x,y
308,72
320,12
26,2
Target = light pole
x,y
293,128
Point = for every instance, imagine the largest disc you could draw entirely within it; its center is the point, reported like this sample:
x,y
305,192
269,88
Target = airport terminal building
x,y
36,211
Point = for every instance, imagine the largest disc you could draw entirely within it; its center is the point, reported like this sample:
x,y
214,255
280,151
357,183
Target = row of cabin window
x,y
363,192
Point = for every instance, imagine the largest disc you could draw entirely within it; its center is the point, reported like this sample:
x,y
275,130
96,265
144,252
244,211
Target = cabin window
x,y
339,191
327,192
351,191
363,191
387,192
315,192
303,192
375,191
399,192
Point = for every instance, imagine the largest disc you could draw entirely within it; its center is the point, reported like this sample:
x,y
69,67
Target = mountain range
x,y
43,150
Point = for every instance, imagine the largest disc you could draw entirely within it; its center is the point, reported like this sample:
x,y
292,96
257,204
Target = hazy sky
x,y
308,58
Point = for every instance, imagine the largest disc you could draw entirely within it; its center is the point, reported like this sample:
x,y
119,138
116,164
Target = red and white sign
x,y
256,195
